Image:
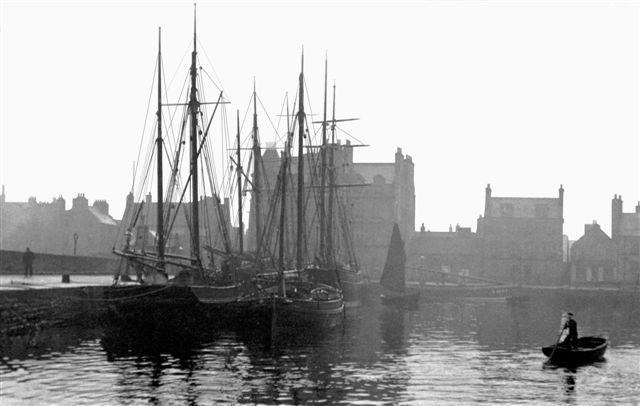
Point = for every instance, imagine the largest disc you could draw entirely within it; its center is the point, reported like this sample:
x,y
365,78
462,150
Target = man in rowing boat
x,y
571,339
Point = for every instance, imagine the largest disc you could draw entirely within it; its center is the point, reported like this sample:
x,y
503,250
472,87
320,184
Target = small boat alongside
x,y
588,349
309,304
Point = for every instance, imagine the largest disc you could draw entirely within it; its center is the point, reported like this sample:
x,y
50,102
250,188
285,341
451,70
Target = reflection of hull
x,y
588,349
404,299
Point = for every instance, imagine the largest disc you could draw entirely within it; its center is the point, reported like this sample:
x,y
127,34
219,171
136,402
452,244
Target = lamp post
x,y
75,243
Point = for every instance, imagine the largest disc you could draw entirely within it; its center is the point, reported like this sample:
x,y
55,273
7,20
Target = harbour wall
x,y
52,264
27,310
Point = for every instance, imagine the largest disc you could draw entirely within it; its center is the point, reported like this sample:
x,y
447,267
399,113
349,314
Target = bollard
x,y
65,278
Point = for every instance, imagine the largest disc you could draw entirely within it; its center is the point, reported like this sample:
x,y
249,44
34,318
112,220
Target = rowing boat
x,y
588,349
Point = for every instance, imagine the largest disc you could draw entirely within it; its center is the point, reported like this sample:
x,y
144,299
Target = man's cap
x,y
570,314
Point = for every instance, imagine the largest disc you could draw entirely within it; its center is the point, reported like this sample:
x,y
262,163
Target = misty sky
x,y
522,95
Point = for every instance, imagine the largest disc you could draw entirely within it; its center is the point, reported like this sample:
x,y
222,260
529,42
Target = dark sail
x,y
394,272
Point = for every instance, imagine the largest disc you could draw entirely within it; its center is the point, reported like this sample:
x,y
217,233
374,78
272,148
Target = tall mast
x,y
301,117
159,209
193,139
239,173
283,196
257,164
323,171
331,182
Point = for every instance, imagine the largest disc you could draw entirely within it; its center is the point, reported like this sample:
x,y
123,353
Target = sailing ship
x,y
393,282
211,275
337,257
301,298
216,277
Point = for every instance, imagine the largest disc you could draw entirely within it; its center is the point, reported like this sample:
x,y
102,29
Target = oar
x,y
556,346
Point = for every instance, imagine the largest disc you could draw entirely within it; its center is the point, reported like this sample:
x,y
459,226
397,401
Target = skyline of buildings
x,y
517,239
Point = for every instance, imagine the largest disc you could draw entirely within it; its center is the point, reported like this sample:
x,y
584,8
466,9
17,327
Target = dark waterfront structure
x,y
521,239
593,257
50,227
625,233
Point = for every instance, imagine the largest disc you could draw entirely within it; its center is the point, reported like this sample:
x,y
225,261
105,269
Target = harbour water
x,y
473,351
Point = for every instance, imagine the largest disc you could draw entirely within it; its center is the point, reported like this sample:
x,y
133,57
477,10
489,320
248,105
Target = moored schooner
x,y
300,297
187,260
343,269
210,275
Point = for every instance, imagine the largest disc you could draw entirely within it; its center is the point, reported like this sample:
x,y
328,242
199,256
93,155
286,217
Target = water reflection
x,y
570,383
392,329
465,352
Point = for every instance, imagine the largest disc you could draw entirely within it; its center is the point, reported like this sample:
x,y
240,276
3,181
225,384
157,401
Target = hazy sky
x,y
522,95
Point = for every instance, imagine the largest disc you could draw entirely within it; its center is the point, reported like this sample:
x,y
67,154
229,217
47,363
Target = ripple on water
x,y
443,355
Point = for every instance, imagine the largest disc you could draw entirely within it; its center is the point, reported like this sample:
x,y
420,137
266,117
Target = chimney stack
x,y
487,199
616,215
102,206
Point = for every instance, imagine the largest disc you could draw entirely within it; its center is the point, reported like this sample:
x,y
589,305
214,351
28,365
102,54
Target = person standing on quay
x,y
27,261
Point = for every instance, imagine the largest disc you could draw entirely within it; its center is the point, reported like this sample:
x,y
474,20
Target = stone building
x,y
625,233
389,198
370,197
144,228
455,252
50,228
593,257
521,239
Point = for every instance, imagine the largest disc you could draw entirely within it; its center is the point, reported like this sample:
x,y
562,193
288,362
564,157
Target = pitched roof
x,y
593,234
103,218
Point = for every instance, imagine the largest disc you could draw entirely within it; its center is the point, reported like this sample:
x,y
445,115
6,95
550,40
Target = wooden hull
x,y
349,281
588,349
246,305
352,286
221,295
133,296
152,302
308,313
407,299
141,304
